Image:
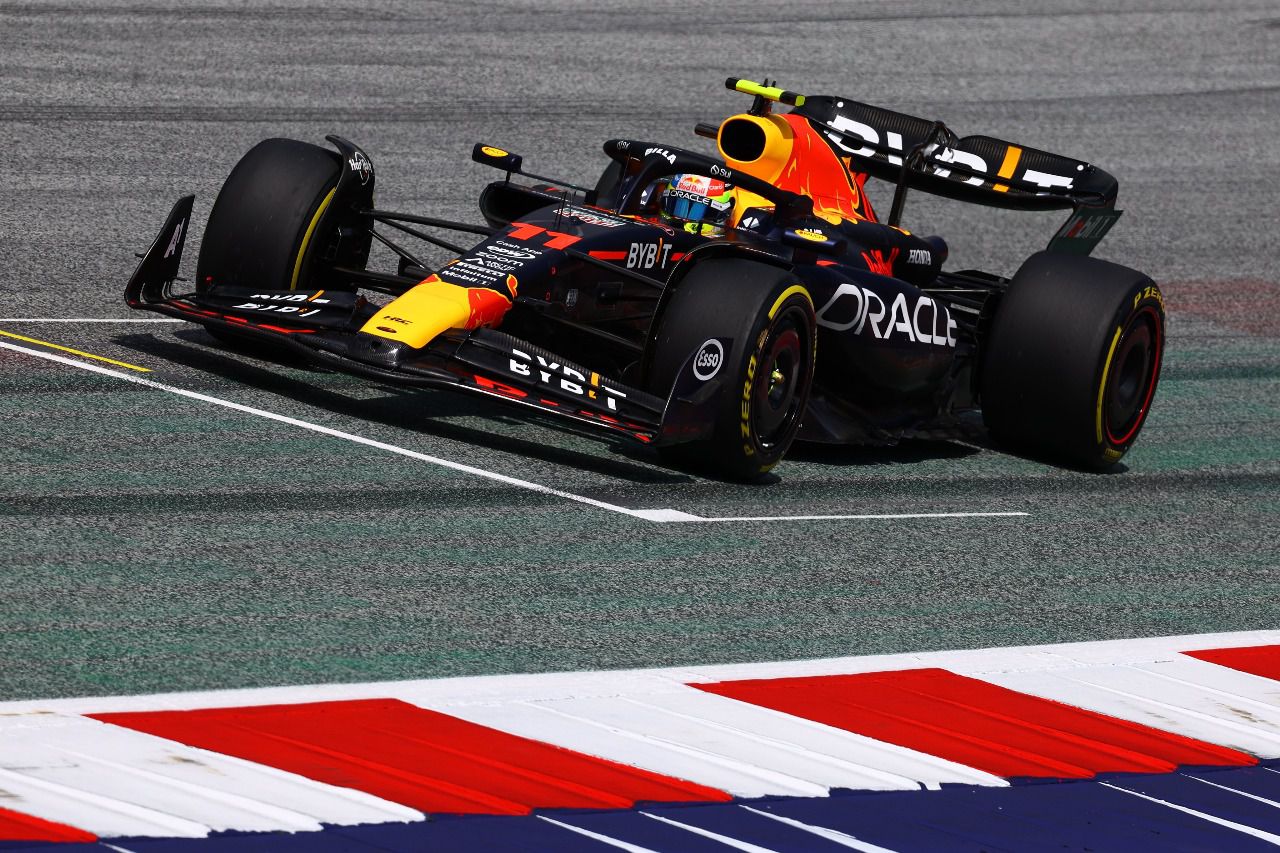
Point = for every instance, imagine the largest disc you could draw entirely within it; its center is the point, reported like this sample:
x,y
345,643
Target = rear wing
x,y
928,156
918,153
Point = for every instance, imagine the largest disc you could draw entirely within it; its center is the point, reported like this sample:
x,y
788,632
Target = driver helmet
x,y
697,204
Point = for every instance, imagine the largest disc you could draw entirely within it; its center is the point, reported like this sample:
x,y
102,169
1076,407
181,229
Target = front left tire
x,y
768,316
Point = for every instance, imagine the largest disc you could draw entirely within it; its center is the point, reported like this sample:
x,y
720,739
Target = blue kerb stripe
x,y
1069,815
1026,816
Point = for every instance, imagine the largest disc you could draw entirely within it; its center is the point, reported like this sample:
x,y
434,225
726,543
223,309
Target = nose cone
x,y
421,314
377,351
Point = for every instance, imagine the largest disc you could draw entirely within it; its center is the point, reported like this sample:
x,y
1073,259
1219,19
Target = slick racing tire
x,y
768,315
1073,359
263,230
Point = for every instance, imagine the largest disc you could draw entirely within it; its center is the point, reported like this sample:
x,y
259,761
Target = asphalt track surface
x,y
153,541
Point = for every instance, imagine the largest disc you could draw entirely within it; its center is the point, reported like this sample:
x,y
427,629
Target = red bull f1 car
x,y
717,308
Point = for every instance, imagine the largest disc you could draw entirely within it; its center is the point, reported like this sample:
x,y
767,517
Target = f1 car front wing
x,y
322,327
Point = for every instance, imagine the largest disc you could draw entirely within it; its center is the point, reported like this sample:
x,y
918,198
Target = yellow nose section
x,y
425,311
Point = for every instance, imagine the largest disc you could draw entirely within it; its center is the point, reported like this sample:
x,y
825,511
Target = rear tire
x,y
1073,359
262,232
769,316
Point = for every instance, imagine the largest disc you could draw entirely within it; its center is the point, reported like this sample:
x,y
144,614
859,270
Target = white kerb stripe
x,y
659,755
105,816
132,768
722,743
862,758
759,746
1190,697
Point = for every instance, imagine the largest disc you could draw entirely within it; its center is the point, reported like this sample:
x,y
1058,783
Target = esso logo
x,y
706,363
511,253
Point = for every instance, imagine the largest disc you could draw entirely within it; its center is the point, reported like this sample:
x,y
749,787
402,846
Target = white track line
x,y
1220,821
866,517
89,320
324,430
603,839
833,835
729,841
654,515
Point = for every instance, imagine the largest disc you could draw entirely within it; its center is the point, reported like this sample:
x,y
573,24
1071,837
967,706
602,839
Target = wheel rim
x,y
1132,383
780,376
